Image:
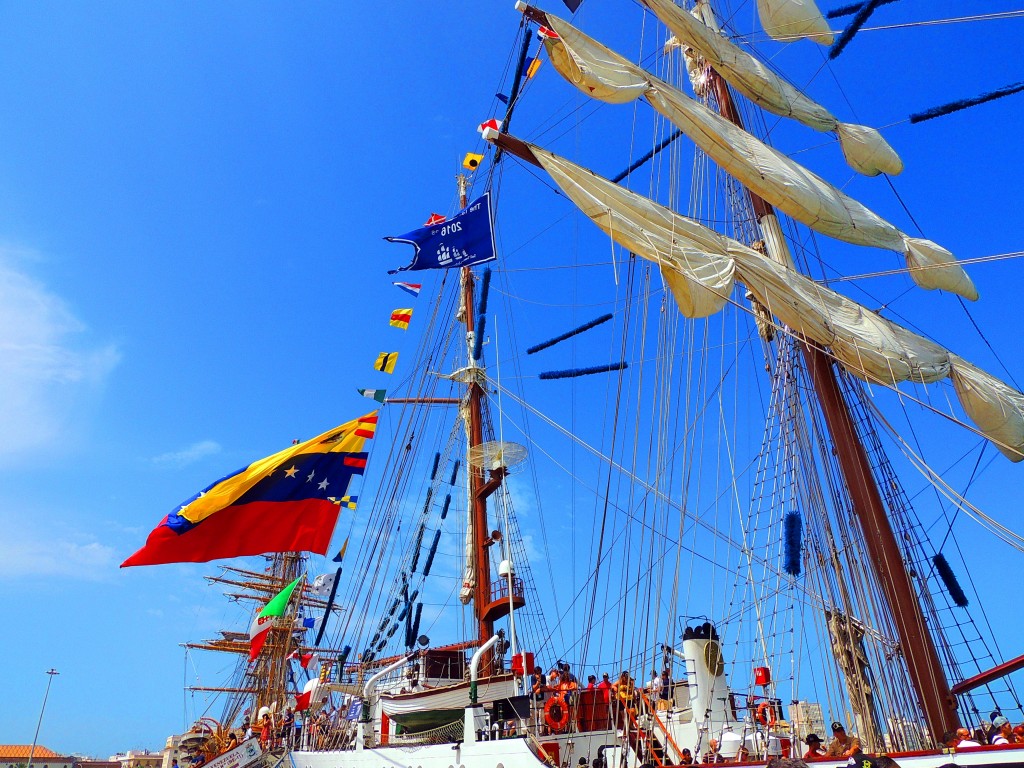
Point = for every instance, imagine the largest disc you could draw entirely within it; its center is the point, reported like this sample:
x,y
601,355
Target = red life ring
x,y
556,713
765,714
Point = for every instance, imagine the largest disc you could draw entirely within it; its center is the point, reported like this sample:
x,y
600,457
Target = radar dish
x,y
495,455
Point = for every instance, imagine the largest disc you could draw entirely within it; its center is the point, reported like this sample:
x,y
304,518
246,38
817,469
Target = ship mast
x,y
480,487
926,673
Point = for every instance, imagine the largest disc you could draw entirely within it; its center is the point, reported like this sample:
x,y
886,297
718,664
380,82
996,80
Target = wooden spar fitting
x,y
1000,670
425,400
926,673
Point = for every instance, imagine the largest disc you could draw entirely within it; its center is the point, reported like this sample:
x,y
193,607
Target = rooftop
x,y
12,751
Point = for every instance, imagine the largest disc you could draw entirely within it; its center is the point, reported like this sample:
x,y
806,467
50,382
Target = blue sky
x,y
192,201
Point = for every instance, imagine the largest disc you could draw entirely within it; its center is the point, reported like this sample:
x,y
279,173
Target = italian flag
x,y
264,621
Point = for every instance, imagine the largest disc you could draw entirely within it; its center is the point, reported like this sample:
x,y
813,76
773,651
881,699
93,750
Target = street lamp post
x,y
35,739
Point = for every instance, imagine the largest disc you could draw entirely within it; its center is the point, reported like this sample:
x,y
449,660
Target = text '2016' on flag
x,y
283,503
467,238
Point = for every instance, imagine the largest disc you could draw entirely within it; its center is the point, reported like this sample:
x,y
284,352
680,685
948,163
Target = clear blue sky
x,y
192,201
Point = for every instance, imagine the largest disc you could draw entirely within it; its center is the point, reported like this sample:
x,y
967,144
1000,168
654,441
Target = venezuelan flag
x,y
285,502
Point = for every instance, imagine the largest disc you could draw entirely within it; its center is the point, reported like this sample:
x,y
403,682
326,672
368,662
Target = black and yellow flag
x,y
386,362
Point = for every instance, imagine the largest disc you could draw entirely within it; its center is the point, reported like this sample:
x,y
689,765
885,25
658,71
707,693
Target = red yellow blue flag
x,y
282,503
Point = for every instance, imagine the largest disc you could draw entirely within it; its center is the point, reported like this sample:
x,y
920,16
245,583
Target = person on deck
x,y
1003,731
841,744
554,679
605,686
538,684
665,691
624,688
712,755
568,680
687,757
266,732
963,739
814,750
287,726
654,685
591,682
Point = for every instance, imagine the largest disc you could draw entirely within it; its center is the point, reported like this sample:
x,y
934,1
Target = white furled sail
x,y
993,405
864,148
787,185
700,266
790,19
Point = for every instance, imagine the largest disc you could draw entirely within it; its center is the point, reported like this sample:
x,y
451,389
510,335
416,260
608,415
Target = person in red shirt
x,y
605,687
814,750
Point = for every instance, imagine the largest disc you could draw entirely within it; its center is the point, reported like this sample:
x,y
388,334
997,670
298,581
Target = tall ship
x,y
670,503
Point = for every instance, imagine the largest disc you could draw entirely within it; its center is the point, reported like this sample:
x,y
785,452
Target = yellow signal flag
x,y
531,70
386,362
472,161
400,318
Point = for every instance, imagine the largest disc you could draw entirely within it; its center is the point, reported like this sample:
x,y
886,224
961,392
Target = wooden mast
x,y
926,673
479,488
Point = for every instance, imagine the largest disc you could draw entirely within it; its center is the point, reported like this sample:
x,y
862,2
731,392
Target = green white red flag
x,y
264,621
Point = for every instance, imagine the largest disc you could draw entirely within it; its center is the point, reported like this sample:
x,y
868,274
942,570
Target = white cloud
x,y
44,375
193,453
27,555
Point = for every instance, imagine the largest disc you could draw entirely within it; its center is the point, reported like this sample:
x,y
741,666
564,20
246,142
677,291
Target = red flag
x,y
302,700
435,218
494,123
544,32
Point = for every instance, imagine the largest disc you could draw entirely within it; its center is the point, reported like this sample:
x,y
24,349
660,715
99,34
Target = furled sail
x,y
793,189
864,148
789,19
701,265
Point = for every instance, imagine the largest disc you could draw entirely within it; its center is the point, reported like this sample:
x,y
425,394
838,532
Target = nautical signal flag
x,y
282,503
259,631
465,239
344,547
530,67
472,161
493,124
377,394
349,502
546,33
413,288
435,218
400,318
386,362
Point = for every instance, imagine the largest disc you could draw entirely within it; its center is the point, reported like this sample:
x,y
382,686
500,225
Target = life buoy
x,y
556,713
765,714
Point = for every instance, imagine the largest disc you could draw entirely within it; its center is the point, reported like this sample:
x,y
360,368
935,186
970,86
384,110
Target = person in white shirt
x,y
1004,731
963,739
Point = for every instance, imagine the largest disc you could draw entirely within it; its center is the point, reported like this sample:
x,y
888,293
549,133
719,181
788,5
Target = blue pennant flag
x,y
463,240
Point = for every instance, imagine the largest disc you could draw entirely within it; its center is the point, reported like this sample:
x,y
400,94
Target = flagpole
x,y
35,739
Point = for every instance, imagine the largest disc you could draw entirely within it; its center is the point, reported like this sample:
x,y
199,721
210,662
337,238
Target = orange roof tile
x,y
10,751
